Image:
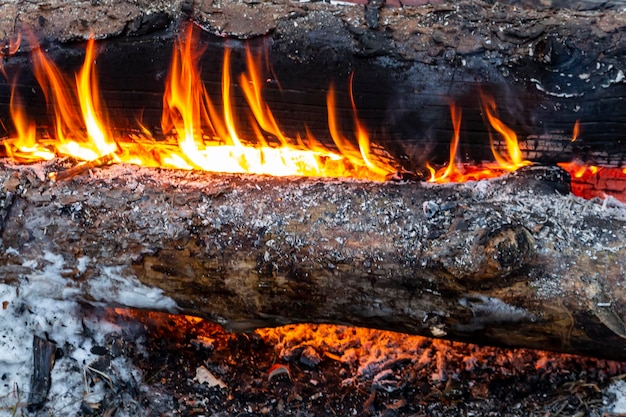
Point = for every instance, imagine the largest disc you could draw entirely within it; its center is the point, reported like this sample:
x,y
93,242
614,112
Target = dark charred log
x,y
546,68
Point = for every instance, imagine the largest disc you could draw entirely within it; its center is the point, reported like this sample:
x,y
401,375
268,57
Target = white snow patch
x,y
45,303
113,285
617,389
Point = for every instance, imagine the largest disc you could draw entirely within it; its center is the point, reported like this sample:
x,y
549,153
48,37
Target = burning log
x,y
507,261
549,69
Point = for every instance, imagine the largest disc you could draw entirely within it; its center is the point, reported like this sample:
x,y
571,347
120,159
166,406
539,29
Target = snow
x,y
44,303
128,291
618,390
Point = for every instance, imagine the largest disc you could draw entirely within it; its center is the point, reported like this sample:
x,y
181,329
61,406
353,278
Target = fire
x,y
576,131
203,135
513,159
25,146
199,136
510,161
589,181
92,110
578,170
82,135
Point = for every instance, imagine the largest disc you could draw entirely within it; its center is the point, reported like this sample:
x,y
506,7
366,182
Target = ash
x,y
137,363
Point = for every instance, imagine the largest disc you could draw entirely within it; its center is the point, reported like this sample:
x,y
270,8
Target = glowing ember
x,y
579,170
590,181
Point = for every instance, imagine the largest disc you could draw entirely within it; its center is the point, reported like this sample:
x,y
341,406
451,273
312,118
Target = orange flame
x,y
453,171
84,136
25,146
511,161
57,91
204,138
576,131
186,99
199,136
358,157
92,111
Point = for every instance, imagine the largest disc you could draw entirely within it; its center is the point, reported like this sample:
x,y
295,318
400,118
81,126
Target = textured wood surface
x,y
507,262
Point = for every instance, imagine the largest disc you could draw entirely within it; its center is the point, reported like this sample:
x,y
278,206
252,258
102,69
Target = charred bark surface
x,y
507,262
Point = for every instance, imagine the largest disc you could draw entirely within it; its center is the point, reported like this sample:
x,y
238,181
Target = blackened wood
x,y
508,262
43,361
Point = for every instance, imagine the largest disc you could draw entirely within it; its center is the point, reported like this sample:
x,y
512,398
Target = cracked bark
x,y
506,262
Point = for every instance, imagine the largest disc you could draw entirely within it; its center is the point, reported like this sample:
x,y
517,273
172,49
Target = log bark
x,y
509,261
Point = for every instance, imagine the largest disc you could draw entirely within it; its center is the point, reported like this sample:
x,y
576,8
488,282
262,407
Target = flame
x,y
82,135
186,99
456,172
202,135
360,156
92,110
25,147
576,131
453,171
199,136
513,159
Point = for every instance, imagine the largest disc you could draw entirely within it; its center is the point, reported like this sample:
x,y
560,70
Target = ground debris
x,y
204,376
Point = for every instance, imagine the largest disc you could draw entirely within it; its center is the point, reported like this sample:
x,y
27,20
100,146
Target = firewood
x,y
514,261
546,68
80,168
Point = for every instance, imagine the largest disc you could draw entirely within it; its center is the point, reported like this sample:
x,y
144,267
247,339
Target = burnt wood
x,y
43,361
546,68
509,261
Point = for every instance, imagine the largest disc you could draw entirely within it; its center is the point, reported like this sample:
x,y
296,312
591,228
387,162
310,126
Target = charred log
x,y
546,67
509,261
